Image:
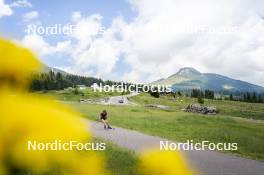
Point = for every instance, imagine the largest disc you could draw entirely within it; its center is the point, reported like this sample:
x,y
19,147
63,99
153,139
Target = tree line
x,y
58,81
250,97
208,94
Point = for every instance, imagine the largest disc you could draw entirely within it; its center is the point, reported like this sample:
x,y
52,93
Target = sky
x,y
141,40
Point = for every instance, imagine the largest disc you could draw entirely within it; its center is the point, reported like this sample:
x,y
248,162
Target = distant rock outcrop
x,y
196,108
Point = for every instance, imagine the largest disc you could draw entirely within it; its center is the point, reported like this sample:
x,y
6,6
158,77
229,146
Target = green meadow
x,y
236,122
118,161
71,94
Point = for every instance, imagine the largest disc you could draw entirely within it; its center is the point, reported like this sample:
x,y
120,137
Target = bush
x,y
155,94
200,100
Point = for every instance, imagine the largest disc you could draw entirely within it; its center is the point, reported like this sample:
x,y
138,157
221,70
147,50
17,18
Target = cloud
x,y
93,53
87,28
30,16
42,48
225,37
76,16
21,3
5,9
91,49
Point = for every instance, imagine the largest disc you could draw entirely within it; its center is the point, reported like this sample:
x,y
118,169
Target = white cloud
x,y
225,37
92,54
76,15
30,16
42,48
86,28
37,44
21,3
5,9
167,35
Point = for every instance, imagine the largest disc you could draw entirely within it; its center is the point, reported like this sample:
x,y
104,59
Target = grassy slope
x,y
177,125
180,126
230,108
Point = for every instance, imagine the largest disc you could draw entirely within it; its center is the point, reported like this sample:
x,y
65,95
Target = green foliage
x,y
200,100
75,94
208,94
231,97
179,93
59,81
154,93
76,91
248,97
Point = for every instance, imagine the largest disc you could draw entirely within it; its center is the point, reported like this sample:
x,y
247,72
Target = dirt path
x,y
207,162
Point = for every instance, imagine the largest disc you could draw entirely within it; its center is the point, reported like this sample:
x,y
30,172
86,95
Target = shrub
x,y
200,100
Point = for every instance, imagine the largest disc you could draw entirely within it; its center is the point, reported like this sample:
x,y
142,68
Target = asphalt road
x,y
121,100
206,162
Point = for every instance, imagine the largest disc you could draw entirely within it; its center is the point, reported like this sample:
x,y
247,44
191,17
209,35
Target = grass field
x,y
119,161
72,95
230,125
225,107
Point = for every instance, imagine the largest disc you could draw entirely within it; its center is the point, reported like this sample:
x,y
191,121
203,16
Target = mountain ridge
x,y
190,78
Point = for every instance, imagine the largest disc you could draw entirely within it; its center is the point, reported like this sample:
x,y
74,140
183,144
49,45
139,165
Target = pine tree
x,y
260,98
231,97
254,97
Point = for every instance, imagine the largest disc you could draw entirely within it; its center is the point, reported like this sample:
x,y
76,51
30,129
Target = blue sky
x,y
143,40
56,12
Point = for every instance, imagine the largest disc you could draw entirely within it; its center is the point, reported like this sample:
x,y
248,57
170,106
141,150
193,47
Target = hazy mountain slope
x,y
47,69
189,78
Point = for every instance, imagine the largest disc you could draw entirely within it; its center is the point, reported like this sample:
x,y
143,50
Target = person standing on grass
x,y
103,117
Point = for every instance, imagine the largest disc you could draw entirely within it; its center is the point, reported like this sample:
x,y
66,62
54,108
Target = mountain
x,y
46,69
189,78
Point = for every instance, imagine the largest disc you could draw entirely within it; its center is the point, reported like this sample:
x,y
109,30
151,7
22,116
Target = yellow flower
x,y
28,118
25,117
16,65
163,163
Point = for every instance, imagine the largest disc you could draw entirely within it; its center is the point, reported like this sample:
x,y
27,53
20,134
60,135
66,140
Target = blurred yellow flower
x,y
163,163
16,65
25,117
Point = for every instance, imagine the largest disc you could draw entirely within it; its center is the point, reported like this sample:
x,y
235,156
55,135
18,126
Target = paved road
x,y
207,162
115,100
